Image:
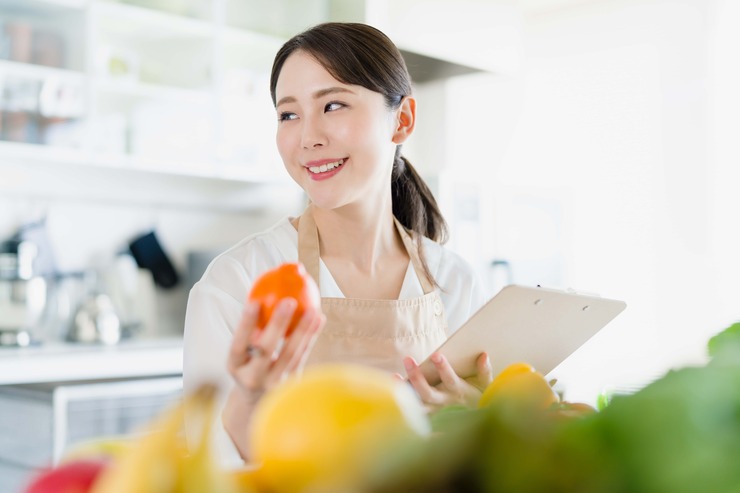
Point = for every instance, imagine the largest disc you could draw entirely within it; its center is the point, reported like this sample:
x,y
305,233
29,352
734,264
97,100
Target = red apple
x,y
76,476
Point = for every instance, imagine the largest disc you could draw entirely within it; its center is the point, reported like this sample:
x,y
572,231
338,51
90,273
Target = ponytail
x,y
415,207
414,204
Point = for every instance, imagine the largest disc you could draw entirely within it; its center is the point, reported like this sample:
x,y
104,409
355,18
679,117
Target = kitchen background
x,y
588,144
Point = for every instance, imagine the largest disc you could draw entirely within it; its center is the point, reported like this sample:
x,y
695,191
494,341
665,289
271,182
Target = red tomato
x,y
290,280
70,477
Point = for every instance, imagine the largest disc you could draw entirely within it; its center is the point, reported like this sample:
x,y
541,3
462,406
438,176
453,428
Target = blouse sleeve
x,y
462,289
214,308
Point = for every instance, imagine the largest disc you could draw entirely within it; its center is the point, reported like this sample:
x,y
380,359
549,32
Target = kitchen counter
x,y
57,362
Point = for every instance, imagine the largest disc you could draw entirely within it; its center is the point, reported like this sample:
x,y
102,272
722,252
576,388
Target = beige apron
x,y
376,333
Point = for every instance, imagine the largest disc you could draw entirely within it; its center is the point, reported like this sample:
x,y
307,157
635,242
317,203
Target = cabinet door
x,y
42,93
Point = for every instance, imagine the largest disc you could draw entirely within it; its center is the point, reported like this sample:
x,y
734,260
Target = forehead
x,y
301,72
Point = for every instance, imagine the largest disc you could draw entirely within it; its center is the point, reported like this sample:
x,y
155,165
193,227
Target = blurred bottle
x,y
22,293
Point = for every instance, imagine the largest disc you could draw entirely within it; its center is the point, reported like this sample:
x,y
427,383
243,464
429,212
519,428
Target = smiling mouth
x,y
326,167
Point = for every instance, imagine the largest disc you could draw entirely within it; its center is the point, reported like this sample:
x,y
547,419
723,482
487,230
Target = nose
x,y
313,133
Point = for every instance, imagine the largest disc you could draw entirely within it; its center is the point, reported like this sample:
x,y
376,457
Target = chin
x,y
326,203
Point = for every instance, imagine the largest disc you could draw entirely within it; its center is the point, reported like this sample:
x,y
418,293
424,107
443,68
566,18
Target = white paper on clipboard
x,y
539,326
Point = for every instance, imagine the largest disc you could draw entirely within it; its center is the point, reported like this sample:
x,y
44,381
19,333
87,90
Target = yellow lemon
x,y
325,430
519,384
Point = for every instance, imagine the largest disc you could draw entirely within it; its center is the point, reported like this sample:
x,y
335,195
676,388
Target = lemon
x,y
324,431
521,385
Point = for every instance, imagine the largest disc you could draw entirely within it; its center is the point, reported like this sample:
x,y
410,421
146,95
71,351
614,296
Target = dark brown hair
x,y
360,54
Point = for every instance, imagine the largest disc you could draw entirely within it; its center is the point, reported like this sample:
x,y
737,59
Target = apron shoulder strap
x,y
308,244
414,250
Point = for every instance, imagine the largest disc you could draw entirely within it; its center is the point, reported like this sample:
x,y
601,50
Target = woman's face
x,y
336,140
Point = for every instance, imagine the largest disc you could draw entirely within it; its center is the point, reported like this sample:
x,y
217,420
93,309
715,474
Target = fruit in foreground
x,y
160,461
289,280
325,430
519,384
572,410
76,476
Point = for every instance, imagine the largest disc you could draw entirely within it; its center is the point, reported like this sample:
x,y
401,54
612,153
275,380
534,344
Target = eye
x,y
286,115
333,106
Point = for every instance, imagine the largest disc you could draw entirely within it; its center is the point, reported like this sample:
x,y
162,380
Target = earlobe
x,y
406,116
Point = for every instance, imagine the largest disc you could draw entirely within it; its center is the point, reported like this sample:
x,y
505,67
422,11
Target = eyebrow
x,y
318,94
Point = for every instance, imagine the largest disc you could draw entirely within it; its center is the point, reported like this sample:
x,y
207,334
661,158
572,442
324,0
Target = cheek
x,y
283,142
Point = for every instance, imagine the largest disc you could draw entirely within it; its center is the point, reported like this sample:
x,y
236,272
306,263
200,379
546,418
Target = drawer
x,y
38,422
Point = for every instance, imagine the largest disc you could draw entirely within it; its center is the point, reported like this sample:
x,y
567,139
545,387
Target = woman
x,y
390,292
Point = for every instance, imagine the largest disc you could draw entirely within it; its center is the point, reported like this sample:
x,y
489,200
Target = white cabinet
x,y
158,85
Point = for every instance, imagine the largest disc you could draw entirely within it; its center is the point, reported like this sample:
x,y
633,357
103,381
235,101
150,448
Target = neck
x,y
357,236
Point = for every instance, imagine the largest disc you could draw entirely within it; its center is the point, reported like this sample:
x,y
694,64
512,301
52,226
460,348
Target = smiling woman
x,y
370,237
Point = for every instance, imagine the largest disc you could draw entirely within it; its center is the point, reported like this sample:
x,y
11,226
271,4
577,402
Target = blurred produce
x,y
351,429
160,462
519,385
157,461
324,431
680,434
75,476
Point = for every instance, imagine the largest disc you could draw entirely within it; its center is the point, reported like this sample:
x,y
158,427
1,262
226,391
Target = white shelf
x,y
38,72
30,171
33,154
43,7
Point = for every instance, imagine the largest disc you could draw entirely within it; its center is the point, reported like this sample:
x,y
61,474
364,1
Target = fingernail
x,y
409,364
287,305
437,358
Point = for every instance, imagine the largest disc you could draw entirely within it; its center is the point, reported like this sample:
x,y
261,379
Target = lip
x,y
326,174
319,162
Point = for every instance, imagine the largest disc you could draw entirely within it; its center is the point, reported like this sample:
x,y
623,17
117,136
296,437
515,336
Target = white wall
x,y
607,164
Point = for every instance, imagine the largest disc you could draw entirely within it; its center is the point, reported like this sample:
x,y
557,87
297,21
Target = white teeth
x,y
325,167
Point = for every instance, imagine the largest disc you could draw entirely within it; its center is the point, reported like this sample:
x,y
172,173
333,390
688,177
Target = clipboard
x,y
534,325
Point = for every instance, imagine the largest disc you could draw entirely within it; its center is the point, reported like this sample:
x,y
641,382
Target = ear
x,y
406,119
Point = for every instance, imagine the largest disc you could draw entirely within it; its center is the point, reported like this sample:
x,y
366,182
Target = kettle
x,y
95,320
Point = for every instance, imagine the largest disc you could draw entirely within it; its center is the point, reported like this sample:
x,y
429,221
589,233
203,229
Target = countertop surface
x,y
54,362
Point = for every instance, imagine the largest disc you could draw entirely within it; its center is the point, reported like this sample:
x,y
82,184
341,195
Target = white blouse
x,y
216,302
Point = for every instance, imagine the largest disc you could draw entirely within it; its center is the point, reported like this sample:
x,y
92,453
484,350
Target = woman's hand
x,y
453,389
261,359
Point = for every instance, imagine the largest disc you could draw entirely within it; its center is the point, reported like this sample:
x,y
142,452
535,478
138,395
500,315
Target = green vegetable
x,y
680,434
725,346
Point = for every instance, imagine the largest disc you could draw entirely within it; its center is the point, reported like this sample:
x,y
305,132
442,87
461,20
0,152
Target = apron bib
x,y
377,333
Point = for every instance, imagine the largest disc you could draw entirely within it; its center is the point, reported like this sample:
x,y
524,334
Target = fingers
x,y
298,345
315,329
272,336
238,351
485,372
427,393
446,373
259,359
453,389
